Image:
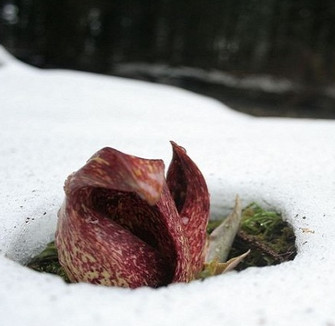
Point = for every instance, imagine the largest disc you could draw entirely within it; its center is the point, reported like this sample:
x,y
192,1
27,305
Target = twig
x,y
261,246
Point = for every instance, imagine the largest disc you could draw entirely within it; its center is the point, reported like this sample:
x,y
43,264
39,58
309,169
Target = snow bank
x,y
52,121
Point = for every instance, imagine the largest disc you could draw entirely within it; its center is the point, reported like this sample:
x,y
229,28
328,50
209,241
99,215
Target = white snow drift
x,y
53,121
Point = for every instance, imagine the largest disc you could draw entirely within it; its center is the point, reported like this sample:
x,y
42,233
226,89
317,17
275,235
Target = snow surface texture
x,y
53,121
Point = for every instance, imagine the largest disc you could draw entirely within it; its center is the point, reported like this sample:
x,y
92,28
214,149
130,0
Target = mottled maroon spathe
x,y
123,224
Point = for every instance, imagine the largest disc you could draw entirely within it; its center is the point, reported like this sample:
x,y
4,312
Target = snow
x,y
53,121
263,83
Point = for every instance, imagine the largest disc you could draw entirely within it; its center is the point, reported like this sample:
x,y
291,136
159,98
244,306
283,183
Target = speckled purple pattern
x,y
122,224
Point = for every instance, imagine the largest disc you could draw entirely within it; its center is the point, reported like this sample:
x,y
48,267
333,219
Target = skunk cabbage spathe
x,y
123,223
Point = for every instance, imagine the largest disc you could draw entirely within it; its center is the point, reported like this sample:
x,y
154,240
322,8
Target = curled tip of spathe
x,y
111,169
176,147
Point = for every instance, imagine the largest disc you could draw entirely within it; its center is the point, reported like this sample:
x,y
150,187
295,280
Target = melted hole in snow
x,y
31,236
270,239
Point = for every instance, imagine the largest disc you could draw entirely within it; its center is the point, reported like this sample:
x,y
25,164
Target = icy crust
x,y
52,121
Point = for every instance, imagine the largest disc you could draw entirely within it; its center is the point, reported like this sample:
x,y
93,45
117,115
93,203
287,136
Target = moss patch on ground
x,y
47,262
271,240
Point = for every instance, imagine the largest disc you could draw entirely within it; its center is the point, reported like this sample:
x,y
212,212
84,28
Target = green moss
x,y
213,224
47,262
270,239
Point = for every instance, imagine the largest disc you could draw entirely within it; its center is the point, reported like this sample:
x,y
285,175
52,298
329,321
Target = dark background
x,y
220,48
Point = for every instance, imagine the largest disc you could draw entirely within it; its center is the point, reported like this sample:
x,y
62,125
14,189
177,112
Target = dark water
x,y
285,39
293,101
